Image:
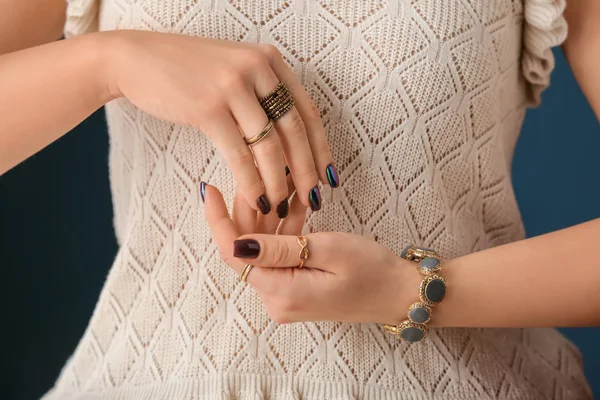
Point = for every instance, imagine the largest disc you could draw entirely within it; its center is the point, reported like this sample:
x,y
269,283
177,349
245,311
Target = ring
x,y
245,272
277,102
303,255
260,136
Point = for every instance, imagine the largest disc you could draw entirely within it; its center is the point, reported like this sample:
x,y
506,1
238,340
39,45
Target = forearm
x,y
46,91
546,281
582,47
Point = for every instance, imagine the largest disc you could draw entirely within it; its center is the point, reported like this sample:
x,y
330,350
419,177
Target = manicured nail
x,y
263,205
203,190
287,171
332,176
246,248
314,198
283,208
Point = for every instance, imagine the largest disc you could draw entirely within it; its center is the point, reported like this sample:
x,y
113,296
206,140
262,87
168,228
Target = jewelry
x,y
431,292
277,102
245,272
261,135
303,255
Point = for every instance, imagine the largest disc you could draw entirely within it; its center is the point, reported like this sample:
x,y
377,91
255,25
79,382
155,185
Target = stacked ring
x,y
261,135
431,292
277,102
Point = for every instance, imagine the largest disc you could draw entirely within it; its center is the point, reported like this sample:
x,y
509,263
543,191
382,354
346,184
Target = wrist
x,y
405,281
105,50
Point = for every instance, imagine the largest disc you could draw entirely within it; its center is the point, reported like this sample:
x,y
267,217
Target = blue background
x,y
57,241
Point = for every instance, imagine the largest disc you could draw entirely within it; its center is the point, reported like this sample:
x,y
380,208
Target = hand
x,y
247,220
214,86
346,278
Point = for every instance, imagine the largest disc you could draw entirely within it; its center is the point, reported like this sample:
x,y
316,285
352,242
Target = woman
x,y
421,104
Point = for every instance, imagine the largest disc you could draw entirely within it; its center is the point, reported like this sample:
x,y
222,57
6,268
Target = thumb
x,y
281,250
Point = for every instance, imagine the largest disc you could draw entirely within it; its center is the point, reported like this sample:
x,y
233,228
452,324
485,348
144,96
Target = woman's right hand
x,y
214,87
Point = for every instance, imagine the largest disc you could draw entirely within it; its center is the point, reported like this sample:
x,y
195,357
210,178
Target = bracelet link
x,y
432,291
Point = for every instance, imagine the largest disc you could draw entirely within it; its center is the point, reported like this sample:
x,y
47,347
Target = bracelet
x,y
431,292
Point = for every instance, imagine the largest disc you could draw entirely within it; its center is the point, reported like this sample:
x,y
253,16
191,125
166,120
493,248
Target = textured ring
x,y
277,102
245,272
303,255
261,135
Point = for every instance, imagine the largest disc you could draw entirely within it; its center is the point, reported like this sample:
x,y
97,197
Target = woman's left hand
x,y
347,277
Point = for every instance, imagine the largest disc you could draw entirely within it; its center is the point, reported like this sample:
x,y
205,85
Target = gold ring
x,y
245,272
260,136
303,255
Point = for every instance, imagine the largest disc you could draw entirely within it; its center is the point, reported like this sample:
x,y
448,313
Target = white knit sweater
x,y
422,103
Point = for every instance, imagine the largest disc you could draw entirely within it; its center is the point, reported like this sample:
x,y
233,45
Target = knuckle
x,y
255,59
270,146
307,173
225,256
312,112
271,52
232,80
297,128
242,156
210,109
252,187
321,148
281,253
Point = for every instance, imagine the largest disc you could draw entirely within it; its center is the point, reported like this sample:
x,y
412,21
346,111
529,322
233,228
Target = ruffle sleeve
x,y
544,28
82,17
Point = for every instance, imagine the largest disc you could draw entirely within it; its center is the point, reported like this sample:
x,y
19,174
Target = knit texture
x,y
422,103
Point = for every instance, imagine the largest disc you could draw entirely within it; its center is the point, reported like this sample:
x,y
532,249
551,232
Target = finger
x,y
294,223
281,251
311,117
224,231
227,139
244,217
270,224
294,140
268,153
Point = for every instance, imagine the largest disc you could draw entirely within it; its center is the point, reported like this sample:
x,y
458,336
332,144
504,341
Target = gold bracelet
x,y
431,292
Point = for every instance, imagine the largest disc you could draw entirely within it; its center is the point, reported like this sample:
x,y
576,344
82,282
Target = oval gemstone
x,y
411,334
405,251
435,290
429,263
419,315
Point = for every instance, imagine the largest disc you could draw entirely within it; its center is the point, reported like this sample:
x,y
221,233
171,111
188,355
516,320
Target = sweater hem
x,y
249,386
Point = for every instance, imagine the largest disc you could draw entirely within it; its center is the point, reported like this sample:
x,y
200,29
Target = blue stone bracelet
x,y
431,292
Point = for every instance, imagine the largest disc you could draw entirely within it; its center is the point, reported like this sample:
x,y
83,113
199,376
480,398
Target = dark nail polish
x,y
246,248
283,208
314,198
202,190
263,205
287,171
332,176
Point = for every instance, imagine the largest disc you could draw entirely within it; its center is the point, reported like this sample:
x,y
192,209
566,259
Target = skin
x,y
339,274
547,281
159,73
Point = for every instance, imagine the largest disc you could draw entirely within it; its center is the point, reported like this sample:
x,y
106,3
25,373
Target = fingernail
x,y
332,176
246,248
283,209
287,171
202,190
314,198
263,205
